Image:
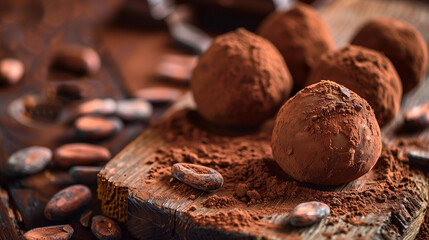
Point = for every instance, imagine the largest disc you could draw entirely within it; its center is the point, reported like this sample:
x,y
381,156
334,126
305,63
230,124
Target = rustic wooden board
x,y
8,222
152,214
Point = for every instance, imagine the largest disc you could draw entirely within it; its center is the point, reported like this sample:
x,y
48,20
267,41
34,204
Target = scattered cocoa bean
x,y
96,128
42,109
177,68
76,59
28,161
72,154
418,116
85,218
11,71
197,176
105,228
85,174
305,214
70,91
105,106
67,202
134,109
158,94
59,232
419,157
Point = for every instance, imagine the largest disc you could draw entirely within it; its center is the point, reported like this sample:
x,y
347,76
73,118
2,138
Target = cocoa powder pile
x,y
256,189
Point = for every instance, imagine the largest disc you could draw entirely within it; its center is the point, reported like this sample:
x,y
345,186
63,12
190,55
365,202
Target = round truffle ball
x,y
241,80
326,134
301,36
366,72
401,43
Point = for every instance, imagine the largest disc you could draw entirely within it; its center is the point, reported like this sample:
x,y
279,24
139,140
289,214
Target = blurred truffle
x,y
301,36
241,80
327,135
368,73
401,43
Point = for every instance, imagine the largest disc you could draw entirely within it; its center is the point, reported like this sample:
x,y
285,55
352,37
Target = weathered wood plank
x,y
8,222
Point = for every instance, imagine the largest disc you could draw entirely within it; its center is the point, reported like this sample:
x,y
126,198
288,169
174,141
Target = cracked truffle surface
x,y
401,43
366,72
301,37
326,134
241,80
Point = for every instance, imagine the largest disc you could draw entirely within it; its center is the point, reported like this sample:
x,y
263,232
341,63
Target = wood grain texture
x,y
8,221
157,212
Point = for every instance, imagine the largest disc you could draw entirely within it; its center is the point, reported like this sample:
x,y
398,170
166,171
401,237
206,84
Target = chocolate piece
x,y
241,80
366,72
197,176
80,154
85,218
134,109
77,59
401,43
301,37
419,157
418,116
105,106
158,94
11,71
85,174
28,161
324,136
59,232
308,213
105,228
67,202
96,128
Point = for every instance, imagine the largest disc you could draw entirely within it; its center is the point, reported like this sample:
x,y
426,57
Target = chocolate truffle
x,y
301,36
401,43
368,73
326,134
241,80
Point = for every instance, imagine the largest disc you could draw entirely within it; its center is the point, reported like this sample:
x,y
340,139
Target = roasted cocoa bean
x,y
28,161
67,202
72,154
105,228
197,176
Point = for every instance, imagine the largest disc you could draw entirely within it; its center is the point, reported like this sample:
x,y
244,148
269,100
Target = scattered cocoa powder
x,y
215,201
245,161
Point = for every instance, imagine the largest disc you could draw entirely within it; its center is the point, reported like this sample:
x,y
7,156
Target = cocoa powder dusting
x,y
252,179
241,80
